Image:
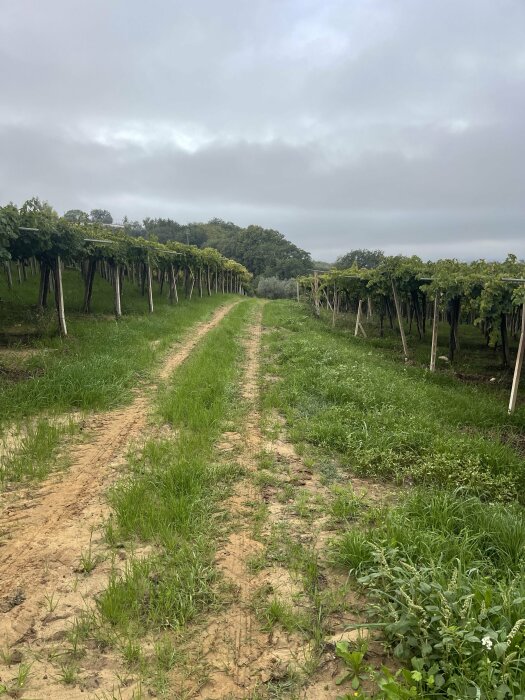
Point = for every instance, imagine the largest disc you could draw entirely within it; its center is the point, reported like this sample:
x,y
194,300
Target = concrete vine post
x,y
315,290
334,308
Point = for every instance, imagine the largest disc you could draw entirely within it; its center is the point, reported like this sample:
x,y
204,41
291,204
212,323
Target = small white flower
x,y
486,642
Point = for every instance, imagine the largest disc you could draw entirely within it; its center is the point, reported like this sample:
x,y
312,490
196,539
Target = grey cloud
x,y
383,124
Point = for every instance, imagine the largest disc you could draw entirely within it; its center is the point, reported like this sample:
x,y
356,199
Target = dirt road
x,y
43,537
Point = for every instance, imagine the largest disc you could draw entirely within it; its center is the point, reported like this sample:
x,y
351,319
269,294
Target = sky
x,y
391,124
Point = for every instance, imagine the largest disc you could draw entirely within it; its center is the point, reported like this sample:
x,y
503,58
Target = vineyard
x,y
489,296
38,241
208,495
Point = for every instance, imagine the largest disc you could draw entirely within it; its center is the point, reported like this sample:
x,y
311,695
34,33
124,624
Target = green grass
x,y
387,420
474,360
444,574
170,498
35,452
443,569
97,366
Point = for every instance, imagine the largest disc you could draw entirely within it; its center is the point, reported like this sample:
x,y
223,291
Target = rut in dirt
x,y
44,535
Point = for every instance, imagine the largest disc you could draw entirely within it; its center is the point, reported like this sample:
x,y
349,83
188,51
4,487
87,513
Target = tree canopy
x,y
361,257
264,252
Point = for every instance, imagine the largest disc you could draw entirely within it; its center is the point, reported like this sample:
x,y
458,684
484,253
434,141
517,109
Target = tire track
x,y
44,536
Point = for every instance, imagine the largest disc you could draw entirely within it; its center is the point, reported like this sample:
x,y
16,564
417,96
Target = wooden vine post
x,y
88,291
435,325
518,366
400,320
118,307
173,286
59,296
358,324
150,286
9,274
316,295
297,289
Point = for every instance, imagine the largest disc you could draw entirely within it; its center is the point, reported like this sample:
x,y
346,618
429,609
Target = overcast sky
x,y
393,124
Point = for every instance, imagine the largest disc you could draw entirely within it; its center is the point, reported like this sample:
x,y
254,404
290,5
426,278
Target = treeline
x,y
264,252
37,241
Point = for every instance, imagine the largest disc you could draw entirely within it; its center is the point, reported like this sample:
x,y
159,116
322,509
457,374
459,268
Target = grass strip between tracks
x,y
170,497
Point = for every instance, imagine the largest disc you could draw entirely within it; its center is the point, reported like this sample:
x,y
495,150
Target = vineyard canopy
x,y
486,294
35,235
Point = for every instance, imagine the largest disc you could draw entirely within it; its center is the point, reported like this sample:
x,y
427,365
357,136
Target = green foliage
x,y
361,258
444,569
100,216
76,216
399,424
37,231
274,288
264,252
8,230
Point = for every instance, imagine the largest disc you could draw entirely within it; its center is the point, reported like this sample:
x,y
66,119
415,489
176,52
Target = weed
x,y
286,493
165,653
51,602
387,421
272,611
101,362
303,506
354,661
131,652
345,504
88,561
68,674
36,453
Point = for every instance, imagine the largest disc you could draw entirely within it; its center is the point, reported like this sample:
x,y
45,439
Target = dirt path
x,y
44,536
275,554
238,654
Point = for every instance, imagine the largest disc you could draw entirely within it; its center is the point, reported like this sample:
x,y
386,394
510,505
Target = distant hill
x,y
264,252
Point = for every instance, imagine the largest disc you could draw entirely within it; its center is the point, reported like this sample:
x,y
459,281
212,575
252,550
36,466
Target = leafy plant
x,y
354,660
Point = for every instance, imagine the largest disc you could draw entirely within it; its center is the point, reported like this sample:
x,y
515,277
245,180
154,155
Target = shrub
x,y
274,288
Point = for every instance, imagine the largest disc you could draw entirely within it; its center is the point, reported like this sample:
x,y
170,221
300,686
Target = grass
x,y
388,421
100,362
443,568
444,574
34,453
170,498
473,360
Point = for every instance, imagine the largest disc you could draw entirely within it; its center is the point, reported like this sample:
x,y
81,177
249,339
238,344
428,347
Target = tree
x,y
76,216
8,230
362,257
101,216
